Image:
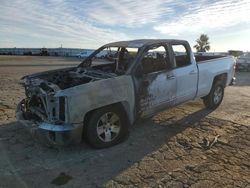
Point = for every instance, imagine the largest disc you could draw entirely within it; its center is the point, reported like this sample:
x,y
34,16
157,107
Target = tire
x,y
106,127
215,96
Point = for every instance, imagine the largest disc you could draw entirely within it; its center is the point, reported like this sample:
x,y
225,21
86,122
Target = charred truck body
x,y
116,85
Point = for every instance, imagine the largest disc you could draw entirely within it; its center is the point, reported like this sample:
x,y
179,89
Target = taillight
x,y
234,66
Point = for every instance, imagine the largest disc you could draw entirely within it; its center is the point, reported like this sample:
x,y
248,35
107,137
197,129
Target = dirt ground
x,y
169,150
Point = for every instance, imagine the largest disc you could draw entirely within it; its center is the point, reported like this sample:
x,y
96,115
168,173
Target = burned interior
x,y
104,63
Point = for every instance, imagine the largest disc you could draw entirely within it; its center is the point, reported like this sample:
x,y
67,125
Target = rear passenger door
x,y
186,73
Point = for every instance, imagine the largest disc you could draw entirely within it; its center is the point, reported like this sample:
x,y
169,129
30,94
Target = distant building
x,y
45,51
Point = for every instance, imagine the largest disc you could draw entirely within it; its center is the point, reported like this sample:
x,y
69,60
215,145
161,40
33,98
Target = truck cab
x,y
166,80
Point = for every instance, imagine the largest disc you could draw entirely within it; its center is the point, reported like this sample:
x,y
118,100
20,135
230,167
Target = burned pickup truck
x,y
118,84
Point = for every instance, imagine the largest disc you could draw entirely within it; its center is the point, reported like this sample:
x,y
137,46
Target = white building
x,y
44,51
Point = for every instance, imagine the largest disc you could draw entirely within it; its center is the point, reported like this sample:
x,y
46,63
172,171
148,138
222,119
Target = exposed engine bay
x,y
63,79
40,89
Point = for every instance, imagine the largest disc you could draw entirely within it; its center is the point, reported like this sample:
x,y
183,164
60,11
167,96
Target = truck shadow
x,y
86,166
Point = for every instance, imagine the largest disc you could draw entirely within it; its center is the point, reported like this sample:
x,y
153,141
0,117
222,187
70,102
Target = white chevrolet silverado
x,y
116,85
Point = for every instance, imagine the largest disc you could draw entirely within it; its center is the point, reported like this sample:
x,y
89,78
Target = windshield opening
x,y
119,58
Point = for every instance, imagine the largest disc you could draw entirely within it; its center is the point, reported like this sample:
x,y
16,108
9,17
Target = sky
x,y
90,24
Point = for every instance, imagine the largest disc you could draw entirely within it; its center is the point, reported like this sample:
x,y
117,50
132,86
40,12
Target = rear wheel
x,y
106,127
215,96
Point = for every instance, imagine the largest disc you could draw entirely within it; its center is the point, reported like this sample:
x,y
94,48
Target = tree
x,y
202,43
235,53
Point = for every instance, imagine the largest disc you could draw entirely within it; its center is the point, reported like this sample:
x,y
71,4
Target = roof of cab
x,y
142,42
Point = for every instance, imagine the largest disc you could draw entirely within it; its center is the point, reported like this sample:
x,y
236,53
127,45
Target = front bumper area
x,y
51,134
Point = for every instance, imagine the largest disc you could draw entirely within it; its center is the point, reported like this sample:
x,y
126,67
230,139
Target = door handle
x,y
170,77
192,72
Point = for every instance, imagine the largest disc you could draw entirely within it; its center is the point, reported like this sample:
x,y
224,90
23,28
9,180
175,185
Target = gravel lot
x,y
168,150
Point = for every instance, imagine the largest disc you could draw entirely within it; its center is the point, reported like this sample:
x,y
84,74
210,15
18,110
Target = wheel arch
x,y
123,106
220,78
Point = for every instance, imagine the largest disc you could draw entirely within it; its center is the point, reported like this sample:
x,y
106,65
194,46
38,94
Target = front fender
x,y
87,97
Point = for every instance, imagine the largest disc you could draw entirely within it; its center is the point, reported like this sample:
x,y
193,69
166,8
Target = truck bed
x,y
181,59
202,58
209,67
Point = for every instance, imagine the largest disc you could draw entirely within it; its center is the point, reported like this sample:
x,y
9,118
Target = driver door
x,y
157,83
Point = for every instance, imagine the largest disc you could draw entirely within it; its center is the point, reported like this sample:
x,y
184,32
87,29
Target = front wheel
x,y
215,96
106,127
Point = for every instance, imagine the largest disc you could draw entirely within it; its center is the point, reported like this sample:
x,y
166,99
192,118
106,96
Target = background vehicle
x,y
106,93
84,53
243,63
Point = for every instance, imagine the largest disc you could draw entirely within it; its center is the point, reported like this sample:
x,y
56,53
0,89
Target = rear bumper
x,y
51,134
